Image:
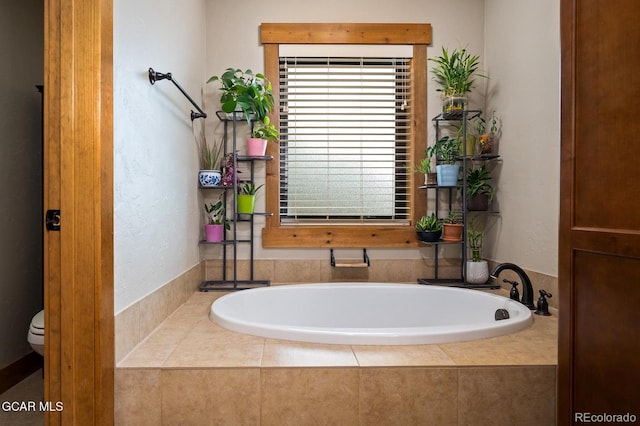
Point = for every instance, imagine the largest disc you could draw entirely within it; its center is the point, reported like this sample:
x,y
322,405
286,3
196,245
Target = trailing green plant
x,y
265,130
429,223
210,156
216,214
249,188
475,238
477,182
446,149
251,93
454,72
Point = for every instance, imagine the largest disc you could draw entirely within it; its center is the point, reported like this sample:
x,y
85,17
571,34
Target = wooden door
x,y
79,348
599,270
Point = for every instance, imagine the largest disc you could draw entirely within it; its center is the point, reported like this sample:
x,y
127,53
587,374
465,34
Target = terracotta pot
x,y
452,232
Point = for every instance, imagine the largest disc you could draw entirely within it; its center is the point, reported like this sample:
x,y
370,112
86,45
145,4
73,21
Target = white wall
x,y
522,57
233,41
157,214
21,222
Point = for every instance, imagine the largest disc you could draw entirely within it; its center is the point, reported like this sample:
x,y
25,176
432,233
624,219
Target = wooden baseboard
x,y
19,370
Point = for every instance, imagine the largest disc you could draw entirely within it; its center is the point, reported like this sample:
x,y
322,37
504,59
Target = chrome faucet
x,y
527,288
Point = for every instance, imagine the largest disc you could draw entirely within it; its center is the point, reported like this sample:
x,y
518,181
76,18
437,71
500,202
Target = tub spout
x,y
527,288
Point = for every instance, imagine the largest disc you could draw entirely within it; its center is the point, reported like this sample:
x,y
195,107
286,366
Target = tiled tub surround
x,y
191,371
381,270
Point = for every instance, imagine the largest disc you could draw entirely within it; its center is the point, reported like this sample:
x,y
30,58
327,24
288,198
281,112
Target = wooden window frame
x,y
275,235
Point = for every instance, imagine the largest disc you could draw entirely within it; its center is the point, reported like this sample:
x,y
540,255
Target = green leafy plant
x,y
216,214
429,223
424,166
475,238
477,182
210,156
251,93
454,72
452,218
249,188
445,150
265,130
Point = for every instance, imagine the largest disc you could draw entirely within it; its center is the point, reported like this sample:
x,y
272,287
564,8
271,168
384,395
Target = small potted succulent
x,y
477,269
247,198
446,152
452,228
429,228
455,73
216,222
479,191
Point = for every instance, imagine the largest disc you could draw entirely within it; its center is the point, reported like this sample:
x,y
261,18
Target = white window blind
x,y
345,140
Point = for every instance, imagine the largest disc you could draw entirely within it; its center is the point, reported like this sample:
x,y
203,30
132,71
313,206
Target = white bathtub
x,y
368,313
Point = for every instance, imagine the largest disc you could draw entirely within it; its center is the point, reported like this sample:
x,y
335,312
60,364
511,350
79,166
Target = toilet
x,y
36,333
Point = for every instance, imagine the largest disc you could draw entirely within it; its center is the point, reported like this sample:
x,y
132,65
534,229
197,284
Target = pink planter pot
x,y
213,233
256,147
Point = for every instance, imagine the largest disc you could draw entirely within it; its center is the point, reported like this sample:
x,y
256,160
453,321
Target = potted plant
x,y
455,74
263,132
247,197
216,222
452,228
479,191
446,151
210,175
429,228
245,91
477,269
488,140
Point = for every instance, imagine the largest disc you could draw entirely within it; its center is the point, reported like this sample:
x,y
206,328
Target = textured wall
x,y
157,214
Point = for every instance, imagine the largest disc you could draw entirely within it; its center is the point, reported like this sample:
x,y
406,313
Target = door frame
x,y
78,170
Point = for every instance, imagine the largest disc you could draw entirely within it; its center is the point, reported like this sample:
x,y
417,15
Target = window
x,y
345,132
388,223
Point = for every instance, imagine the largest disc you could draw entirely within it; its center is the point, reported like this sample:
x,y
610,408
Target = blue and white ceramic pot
x,y
209,178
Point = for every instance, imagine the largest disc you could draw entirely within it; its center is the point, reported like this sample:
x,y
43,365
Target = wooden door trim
x,y
79,333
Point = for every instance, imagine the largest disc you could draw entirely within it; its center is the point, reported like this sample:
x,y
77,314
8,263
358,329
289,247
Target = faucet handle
x,y
542,305
513,294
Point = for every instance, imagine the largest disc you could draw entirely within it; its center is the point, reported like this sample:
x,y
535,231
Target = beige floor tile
x,y
280,353
309,396
208,354
399,356
408,396
148,355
